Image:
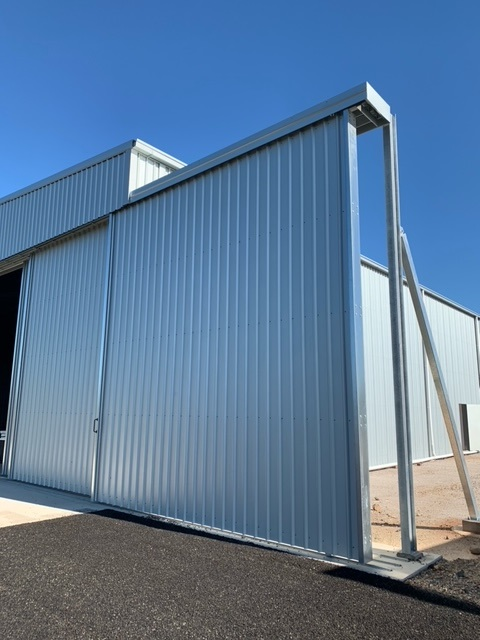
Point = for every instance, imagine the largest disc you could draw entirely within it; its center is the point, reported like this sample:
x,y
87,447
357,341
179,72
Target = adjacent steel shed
x,y
455,330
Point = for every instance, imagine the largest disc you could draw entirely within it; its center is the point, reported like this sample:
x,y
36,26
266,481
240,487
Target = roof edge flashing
x,y
373,113
376,101
152,152
362,94
380,268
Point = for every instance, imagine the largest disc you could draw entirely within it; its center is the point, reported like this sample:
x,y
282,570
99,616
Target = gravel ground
x,y
455,578
115,576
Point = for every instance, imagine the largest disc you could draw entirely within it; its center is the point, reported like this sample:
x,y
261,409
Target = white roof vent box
x,y
148,164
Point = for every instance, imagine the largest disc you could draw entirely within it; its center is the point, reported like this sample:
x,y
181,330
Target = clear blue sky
x,y
79,77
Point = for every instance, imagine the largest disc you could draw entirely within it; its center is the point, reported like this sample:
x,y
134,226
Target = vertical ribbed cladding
x,y
58,400
379,372
225,399
378,367
454,335
417,393
57,207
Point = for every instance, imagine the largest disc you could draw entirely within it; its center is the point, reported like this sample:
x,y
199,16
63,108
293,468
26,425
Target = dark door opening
x,y
9,299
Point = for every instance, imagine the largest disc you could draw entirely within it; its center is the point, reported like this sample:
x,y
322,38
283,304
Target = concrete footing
x,y
389,565
472,526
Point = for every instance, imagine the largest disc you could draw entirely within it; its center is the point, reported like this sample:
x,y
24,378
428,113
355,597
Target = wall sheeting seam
x,y
102,352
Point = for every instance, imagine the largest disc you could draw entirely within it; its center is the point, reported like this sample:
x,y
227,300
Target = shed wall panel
x,y
417,391
56,208
454,335
225,395
58,398
378,368
379,372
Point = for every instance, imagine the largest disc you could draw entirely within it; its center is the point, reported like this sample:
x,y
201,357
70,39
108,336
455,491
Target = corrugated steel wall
x,y
56,208
145,169
378,367
454,334
417,369
58,396
225,395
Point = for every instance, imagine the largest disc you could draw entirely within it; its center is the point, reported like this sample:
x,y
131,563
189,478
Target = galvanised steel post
x,y
397,321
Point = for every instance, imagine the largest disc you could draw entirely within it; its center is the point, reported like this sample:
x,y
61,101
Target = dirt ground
x,y
439,505
440,508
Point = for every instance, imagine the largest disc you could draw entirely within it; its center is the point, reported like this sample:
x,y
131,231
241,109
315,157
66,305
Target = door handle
x,y
95,430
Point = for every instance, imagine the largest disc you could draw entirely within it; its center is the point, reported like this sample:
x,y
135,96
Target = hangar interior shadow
x,y
9,299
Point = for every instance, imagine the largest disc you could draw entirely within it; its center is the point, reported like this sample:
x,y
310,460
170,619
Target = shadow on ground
x,y
113,575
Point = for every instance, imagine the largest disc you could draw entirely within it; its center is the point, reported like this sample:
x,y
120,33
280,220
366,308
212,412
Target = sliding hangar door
x,y
55,398
231,397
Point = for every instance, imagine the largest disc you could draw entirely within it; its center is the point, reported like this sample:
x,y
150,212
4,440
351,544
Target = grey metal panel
x,y
477,340
58,395
416,383
225,394
378,368
454,332
62,203
455,339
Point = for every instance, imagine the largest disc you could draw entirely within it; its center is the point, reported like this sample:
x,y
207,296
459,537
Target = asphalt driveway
x,y
110,575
